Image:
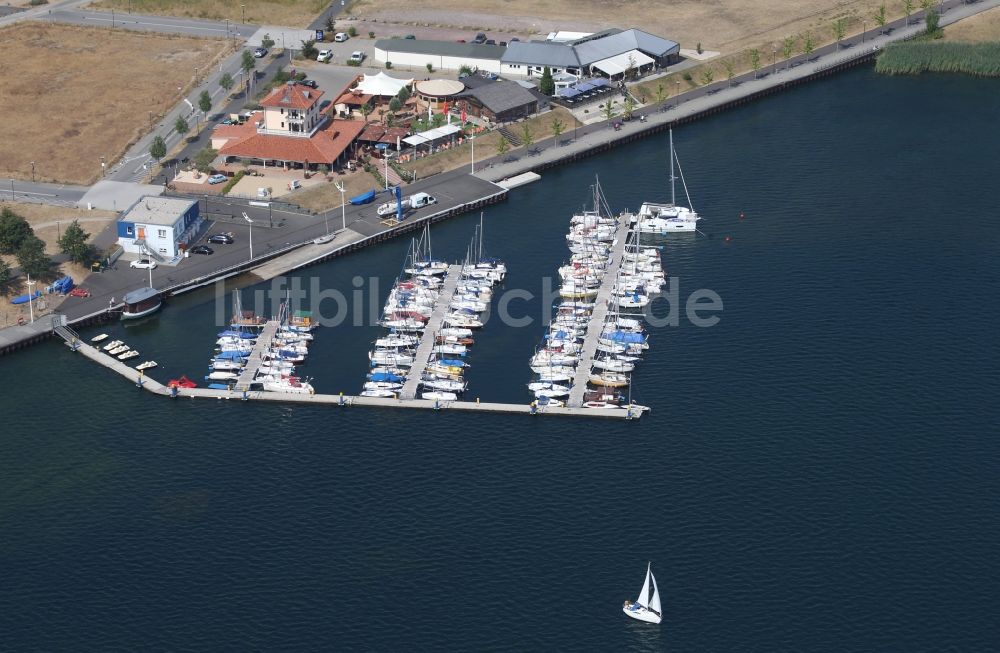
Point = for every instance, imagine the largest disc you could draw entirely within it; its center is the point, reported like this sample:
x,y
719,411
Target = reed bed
x,y
915,57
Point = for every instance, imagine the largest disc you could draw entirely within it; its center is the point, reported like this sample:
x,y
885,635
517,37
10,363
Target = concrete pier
x,y
147,383
427,341
256,357
600,313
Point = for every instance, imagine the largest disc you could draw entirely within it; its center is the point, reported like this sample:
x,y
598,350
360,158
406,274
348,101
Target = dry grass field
x,y
326,196
982,27
292,13
77,94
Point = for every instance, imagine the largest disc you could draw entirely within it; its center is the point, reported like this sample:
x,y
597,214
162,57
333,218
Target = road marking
x,y
28,192
175,26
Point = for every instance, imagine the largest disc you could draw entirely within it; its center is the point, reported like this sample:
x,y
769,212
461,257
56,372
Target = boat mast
x,y
673,199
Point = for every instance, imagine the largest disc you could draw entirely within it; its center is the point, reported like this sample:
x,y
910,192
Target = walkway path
x,y
441,308
596,325
256,357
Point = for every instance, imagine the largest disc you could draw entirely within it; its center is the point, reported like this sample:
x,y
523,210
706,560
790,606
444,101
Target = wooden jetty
x,y
256,357
140,380
426,345
600,313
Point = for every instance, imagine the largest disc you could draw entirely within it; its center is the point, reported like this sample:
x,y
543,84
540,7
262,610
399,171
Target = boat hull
x,y
640,613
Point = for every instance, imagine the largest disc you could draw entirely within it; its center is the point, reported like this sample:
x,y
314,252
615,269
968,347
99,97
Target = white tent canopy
x,y
381,84
619,63
431,135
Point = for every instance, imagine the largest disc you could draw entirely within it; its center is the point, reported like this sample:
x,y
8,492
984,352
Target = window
x,y
128,230
163,250
282,110
162,233
282,125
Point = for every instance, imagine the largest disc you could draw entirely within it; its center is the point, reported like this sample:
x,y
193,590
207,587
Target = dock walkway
x,y
256,357
430,333
597,318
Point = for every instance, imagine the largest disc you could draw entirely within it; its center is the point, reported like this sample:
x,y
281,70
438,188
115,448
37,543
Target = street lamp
x,y
247,218
32,172
150,121
472,139
103,166
343,209
864,30
244,8
31,310
678,93
774,57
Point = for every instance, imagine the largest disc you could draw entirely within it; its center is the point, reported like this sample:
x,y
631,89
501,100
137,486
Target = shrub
x,y
430,67
388,65
352,31
232,182
371,35
914,57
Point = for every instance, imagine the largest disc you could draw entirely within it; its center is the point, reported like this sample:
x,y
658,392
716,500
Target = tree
x,y
608,109
526,136
502,146
437,120
248,61
698,48
31,257
4,272
730,70
267,41
74,243
226,82
181,126
807,44
205,101
907,9
331,25
545,85
204,158
788,47
880,18
933,23
352,31
755,61
430,67
926,5
395,105
661,93
309,50
404,94
158,149
707,76
839,27
630,68
465,69
14,230
558,126
628,105
365,110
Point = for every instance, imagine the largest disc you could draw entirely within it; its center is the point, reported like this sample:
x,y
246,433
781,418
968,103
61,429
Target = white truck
x,y
415,201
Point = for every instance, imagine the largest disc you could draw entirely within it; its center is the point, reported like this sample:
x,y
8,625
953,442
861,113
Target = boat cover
x,y
364,198
624,336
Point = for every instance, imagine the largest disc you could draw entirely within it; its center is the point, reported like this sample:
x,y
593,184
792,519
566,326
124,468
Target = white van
x,y
420,200
340,37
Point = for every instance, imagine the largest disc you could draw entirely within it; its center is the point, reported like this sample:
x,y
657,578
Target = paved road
x,y
42,193
145,23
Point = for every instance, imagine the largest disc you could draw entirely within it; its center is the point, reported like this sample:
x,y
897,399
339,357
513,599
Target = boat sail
x,y
646,607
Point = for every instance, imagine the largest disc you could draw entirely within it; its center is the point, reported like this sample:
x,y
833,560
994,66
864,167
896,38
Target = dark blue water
x,y
819,472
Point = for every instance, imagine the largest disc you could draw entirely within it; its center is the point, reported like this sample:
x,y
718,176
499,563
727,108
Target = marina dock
x,y
426,346
140,380
256,357
596,325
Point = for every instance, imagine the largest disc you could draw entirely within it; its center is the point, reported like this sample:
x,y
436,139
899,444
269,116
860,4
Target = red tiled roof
x,y
325,146
380,134
292,96
353,99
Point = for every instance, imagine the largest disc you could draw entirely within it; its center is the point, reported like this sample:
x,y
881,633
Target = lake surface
x,y
819,471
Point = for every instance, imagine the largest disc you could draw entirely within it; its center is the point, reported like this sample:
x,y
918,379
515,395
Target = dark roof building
x,y
603,52
502,101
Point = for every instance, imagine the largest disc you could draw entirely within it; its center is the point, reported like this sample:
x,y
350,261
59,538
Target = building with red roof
x,y
293,129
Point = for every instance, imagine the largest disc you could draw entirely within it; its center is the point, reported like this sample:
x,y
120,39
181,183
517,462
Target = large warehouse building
x,y
441,55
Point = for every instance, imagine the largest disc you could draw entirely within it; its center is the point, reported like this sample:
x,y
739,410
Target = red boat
x,y
79,291
182,382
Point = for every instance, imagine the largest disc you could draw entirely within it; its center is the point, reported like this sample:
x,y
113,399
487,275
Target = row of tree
x,y
18,238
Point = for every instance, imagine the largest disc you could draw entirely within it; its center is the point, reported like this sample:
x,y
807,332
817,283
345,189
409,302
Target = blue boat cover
x,y
385,376
451,362
217,386
236,334
624,336
364,198
23,299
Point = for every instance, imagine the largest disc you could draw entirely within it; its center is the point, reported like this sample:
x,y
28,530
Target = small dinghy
x,y
440,396
146,365
112,345
99,337
132,353
646,607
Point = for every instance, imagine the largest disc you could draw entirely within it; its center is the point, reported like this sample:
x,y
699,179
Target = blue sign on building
x,y
319,35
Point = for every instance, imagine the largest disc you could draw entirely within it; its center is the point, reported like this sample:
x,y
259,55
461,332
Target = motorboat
x,y
385,394
438,395
182,382
222,376
287,384
146,365
132,353
99,337
141,302
112,345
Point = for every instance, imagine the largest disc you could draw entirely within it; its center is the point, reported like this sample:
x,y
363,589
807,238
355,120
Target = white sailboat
x,y
646,607
666,218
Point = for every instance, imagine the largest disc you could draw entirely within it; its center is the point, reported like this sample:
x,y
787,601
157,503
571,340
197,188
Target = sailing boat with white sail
x,y
667,218
646,607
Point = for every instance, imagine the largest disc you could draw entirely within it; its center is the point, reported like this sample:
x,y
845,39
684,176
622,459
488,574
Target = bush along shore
x,y
915,57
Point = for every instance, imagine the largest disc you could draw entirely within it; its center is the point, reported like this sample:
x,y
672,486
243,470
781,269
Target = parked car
x,y
410,37
503,44
515,40
221,239
490,42
217,179
260,53
358,56
325,55
311,83
143,264
201,249
340,37
479,38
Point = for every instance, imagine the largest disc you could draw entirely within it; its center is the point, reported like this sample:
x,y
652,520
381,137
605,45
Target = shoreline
x,y
586,141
